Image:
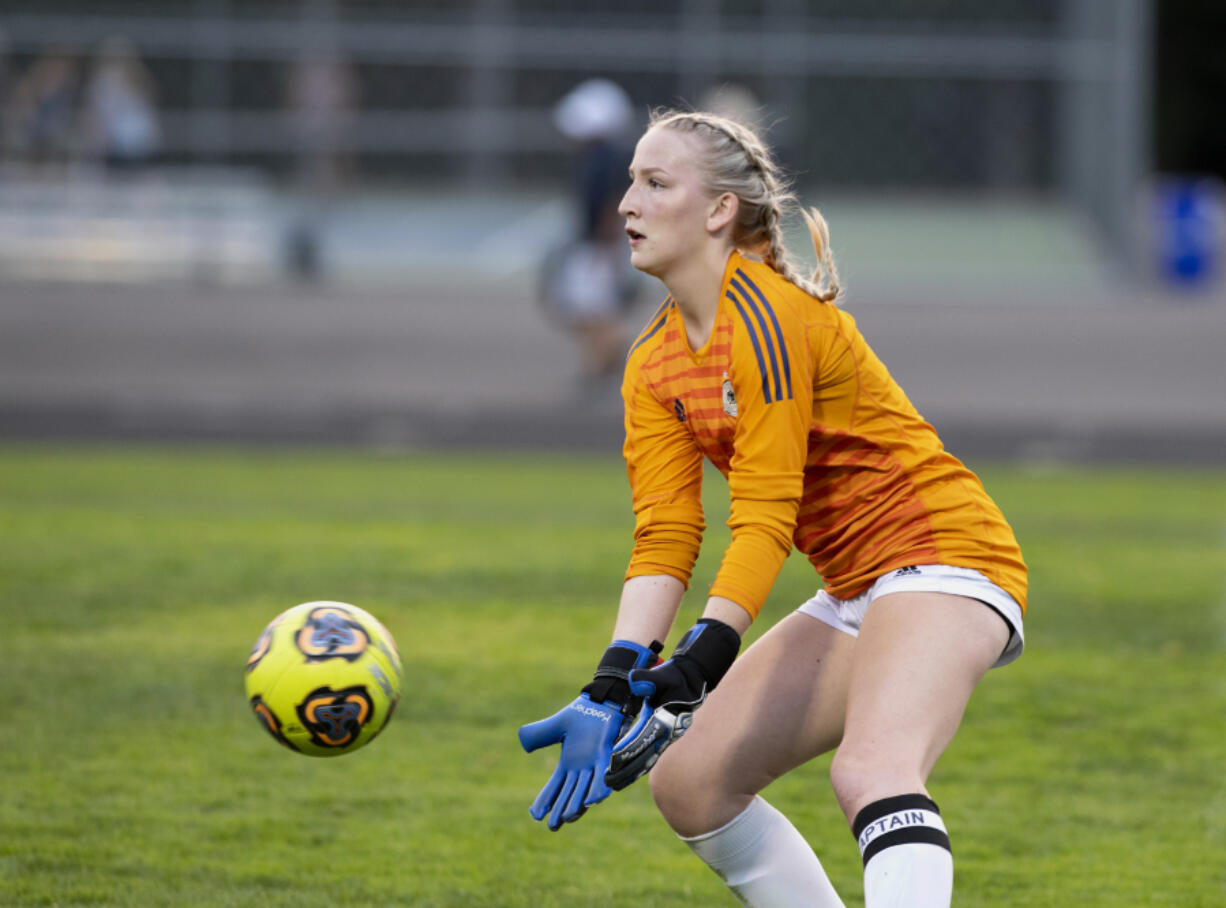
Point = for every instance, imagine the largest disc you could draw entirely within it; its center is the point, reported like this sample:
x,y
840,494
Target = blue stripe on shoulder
x,y
661,317
766,336
783,348
757,347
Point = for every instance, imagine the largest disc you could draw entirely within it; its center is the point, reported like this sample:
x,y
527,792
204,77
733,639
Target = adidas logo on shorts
x,y
909,571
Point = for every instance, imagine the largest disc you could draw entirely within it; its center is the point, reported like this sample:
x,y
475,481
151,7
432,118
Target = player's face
x,y
666,206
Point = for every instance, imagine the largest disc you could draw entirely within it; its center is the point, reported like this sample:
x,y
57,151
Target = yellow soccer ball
x,y
324,678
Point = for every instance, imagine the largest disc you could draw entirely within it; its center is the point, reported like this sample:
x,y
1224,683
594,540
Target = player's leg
x,y
917,661
780,705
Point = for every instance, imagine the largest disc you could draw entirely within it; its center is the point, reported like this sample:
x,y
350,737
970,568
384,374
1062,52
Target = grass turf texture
x,y
133,583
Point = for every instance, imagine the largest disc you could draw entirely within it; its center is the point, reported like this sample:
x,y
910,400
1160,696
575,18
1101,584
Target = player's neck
x,y
696,289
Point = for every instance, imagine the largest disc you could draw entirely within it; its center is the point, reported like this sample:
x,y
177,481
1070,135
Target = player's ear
x,y
722,211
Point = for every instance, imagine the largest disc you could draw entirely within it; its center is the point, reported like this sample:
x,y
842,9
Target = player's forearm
x,y
648,608
735,616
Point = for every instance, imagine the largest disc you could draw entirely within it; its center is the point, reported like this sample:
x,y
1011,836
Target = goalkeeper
x,y
750,364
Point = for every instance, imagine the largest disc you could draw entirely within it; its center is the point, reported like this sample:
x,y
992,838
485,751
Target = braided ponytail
x,y
825,275
738,161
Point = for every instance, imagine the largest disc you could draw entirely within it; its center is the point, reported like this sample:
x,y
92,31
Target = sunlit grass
x,y
134,581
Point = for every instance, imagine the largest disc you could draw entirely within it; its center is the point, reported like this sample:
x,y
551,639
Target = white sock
x,y
765,861
907,859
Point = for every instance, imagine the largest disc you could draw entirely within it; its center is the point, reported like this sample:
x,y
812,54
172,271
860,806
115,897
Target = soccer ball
x,y
324,678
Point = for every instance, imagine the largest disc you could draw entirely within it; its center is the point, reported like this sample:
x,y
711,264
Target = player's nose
x,y
627,207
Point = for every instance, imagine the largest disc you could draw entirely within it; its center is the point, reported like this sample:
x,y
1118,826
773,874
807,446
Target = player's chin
x,y
643,261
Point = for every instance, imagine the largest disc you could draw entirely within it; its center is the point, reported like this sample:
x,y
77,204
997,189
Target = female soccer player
x,y
750,364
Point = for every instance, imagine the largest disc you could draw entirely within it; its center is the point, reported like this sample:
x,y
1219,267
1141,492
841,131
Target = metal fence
x,y
1010,96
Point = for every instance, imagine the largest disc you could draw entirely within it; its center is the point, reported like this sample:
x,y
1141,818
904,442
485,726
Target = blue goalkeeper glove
x,y
587,728
672,692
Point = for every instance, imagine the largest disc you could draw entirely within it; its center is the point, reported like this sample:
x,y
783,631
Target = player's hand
x,y
587,732
672,692
587,728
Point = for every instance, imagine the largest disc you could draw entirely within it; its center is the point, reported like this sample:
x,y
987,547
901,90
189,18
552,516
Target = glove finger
x,y
548,795
558,817
535,735
638,751
635,730
577,804
598,791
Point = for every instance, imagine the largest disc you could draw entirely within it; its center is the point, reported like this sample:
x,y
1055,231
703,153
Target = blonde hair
x,y
736,160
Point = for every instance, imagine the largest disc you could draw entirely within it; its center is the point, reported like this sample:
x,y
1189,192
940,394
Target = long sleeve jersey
x,y
820,447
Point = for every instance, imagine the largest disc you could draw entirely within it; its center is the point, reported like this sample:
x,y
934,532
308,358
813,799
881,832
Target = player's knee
x,y
685,802
847,776
860,776
670,791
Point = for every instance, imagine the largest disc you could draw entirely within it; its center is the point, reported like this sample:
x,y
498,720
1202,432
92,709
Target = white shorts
x,y
847,614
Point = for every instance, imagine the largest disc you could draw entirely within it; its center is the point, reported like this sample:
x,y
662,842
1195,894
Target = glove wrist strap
x,y
712,646
611,681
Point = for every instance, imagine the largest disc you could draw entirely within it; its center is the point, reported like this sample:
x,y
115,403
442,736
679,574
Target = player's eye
x,y
654,183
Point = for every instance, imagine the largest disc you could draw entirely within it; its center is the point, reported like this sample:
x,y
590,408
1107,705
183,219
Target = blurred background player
x,y
733,101
748,363
588,282
323,93
120,119
44,109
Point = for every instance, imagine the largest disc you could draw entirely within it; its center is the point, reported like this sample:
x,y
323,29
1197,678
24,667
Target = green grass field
x,y
134,581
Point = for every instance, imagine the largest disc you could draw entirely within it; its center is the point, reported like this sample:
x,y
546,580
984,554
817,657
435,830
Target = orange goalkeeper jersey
x,y
820,447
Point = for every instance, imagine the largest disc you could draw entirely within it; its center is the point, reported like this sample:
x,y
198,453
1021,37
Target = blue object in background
x,y
1191,224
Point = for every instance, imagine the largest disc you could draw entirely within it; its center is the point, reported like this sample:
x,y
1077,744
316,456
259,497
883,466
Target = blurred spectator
x,y
6,90
322,95
588,282
734,101
44,108
120,116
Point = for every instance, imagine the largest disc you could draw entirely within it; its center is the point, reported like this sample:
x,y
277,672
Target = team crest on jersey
x,y
679,409
729,397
